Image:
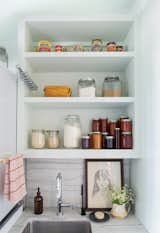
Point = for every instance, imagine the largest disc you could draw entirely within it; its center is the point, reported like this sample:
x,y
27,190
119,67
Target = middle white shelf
x,y
89,102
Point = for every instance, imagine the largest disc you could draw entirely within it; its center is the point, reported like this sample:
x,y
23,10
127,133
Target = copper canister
x,y
95,125
96,140
103,125
126,125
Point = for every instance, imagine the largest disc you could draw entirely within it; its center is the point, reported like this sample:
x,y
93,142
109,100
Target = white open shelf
x,y
64,102
78,61
79,154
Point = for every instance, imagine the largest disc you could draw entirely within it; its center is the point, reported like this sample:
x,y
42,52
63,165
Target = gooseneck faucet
x,y
60,203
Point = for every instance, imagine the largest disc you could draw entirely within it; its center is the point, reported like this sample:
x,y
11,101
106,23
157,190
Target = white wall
x,y
146,172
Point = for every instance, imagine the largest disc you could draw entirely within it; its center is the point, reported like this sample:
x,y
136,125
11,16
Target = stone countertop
x,y
128,225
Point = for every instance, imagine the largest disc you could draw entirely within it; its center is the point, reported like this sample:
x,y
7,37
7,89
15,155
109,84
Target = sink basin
x,y
58,227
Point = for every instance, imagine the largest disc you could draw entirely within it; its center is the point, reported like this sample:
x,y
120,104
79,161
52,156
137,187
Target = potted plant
x,y
122,200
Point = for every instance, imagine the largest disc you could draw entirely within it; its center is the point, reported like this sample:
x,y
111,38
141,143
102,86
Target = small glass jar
x,y
126,125
109,142
97,45
103,125
126,140
52,139
95,125
104,139
72,131
96,140
85,142
3,57
112,126
112,87
87,87
38,139
117,138
111,47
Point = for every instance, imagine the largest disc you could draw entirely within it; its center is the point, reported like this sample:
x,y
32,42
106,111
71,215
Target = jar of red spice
x,y
58,48
96,125
112,126
96,140
126,140
126,125
103,125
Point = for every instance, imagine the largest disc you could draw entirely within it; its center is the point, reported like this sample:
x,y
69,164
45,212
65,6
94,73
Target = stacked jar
x,y
126,133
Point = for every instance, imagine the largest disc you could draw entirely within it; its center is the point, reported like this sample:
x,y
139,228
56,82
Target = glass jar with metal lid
x,y
97,45
112,87
72,131
52,139
87,87
38,138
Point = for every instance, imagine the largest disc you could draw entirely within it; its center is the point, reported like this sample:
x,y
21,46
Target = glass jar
x,y
126,140
109,142
96,140
126,125
52,139
38,138
111,47
112,126
117,138
72,131
97,45
103,125
3,57
112,87
95,125
104,139
85,142
87,87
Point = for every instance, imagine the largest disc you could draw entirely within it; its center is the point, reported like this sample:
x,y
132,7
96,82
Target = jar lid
x,y
126,133
109,137
38,130
87,80
117,129
120,46
112,79
86,137
96,132
126,120
105,133
72,116
109,43
97,39
52,131
113,121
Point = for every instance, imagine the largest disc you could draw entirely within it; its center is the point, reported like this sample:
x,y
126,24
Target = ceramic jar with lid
x,y
72,131
87,87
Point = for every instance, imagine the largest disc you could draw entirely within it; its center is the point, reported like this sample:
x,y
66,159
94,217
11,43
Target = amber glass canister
x,y
95,125
103,125
97,140
112,126
126,140
126,125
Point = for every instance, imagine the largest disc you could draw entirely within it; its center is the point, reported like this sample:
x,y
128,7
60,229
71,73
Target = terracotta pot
x,y
120,211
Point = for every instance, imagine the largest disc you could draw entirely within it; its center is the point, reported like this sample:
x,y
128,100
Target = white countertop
x,y
128,225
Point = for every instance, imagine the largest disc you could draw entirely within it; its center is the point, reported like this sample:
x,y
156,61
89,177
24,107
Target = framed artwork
x,y
100,175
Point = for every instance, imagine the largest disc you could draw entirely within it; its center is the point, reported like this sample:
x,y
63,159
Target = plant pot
x,y
120,211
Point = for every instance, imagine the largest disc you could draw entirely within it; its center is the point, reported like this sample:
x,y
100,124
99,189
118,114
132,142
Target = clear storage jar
x,y
52,139
87,87
112,87
38,139
72,131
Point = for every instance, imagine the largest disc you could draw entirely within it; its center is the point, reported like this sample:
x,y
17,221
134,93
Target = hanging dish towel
x,y
14,186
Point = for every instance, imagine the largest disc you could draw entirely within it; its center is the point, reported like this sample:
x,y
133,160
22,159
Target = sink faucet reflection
x,y
60,203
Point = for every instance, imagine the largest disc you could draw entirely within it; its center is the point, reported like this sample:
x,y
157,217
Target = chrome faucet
x,y
60,203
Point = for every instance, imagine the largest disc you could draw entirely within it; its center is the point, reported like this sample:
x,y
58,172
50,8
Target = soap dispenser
x,y
38,203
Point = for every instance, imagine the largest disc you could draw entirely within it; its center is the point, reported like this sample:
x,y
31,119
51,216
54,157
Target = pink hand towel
x,y
14,186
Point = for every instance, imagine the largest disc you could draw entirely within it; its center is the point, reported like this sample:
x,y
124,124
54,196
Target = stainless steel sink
x,y
58,227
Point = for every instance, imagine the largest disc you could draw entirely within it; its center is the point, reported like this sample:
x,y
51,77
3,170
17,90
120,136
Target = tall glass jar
x,y
72,131
52,139
112,87
87,87
38,139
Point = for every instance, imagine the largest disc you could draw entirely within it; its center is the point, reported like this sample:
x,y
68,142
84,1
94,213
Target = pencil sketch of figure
x,y
101,177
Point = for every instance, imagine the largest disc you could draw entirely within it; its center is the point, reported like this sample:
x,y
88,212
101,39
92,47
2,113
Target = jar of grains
x,y
38,139
52,139
87,87
72,131
112,87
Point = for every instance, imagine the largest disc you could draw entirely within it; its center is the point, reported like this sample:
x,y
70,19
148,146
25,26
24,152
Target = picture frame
x,y
99,171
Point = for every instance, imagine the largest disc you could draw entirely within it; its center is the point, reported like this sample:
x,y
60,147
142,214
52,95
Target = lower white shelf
x,y
79,154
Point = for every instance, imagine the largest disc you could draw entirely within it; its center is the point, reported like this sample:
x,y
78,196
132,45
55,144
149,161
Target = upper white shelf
x,y
80,102
78,61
